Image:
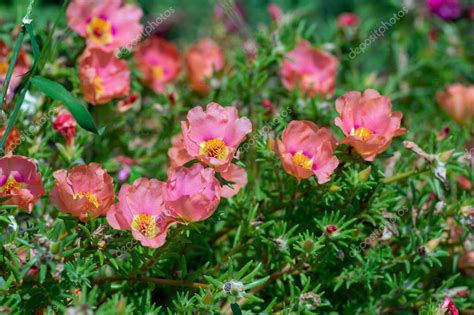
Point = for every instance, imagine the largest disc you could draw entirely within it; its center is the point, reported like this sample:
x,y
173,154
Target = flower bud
x,y
308,245
364,174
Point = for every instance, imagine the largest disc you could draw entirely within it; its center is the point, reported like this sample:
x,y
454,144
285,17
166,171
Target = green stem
x,y
11,67
402,176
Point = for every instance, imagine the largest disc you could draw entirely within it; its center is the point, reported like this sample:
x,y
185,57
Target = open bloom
x,y
202,61
22,66
307,150
107,23
458,101
445,9
20,181
312,70
66,125
158,62
368,122
13,139
83,189
177,153
213,135
140,209
192,194
103,76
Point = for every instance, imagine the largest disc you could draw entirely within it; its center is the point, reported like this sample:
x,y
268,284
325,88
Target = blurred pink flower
x,y
177,153
22,66
65,124
307,150
128,103
347,20
237,175
445,9
103,76
159,63
458,101
20,180
448,306
107,23
202,61
232,14
213,135
140,209
126,163
192,194
275,12
24,256
368,122
13,139
82,190
310,69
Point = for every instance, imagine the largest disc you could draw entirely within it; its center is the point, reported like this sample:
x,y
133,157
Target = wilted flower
x,y
82,190
307,150
128,103
21,67
213,135
231,14
177,153
20,181
458,101
445,9
103,76
141,209
347,20
107,23
159,63
202,61
309,69
13,139
368,122
192,194
66,125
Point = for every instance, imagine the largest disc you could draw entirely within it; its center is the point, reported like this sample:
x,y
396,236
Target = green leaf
x,y
74,106
235,309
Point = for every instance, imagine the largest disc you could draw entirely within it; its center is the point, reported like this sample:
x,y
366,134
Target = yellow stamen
x,y
145,224
98,87
100,31
302,160
362,132
158,73
90,197
215,148
3,68
10,185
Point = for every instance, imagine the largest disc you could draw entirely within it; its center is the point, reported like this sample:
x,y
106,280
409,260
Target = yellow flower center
x,y
100,31
158,73
98,86
145,224
302,160
90,197
3,68
215,148
10,185
362,132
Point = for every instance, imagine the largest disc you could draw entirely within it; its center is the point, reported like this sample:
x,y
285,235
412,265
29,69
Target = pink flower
x,y
128,103
445,9
310,69
307,150
192,194
202,61
82,190
20,181
159,63
66,125
140,209
448,306
368,122
126,163
235,174
22,66
458,101
275,12
347,20
103,76
107,23
13,139
212,136
177,153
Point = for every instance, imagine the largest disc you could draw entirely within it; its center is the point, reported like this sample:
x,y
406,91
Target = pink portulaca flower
x,y
177,153
140,209
103,76
22,66
458,101
203,60
312,70
368,122
82,190
65,124
107,23
307,150
213,135
159,63
192,194
237,176
20,181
